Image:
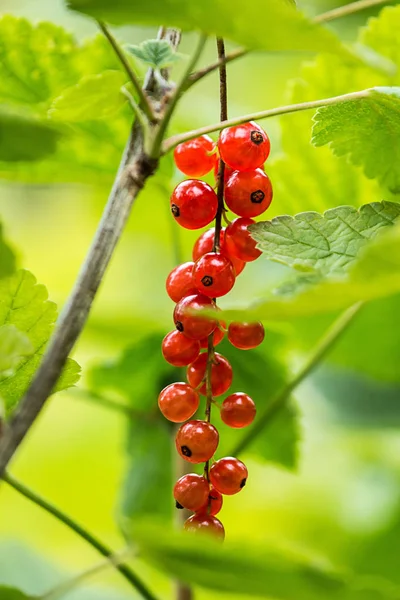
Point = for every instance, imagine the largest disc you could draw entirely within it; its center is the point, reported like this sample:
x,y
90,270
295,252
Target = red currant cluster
x,y
219,256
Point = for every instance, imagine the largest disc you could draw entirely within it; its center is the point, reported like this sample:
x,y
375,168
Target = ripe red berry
x,y
178,402
238,410
205,524
197,157
180,282
213,504
239,242
248,193
194,204
221,374
219,335
214,275
194,326
246,335
228,475
179,350
205,244
191,491
244,147
197,441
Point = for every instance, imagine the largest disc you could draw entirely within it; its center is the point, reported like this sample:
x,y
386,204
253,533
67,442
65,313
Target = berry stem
x,y
347,9
197,75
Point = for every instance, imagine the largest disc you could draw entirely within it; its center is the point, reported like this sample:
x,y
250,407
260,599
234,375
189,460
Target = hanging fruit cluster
x,y
219,256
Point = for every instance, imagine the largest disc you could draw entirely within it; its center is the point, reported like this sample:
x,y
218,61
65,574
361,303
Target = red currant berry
x,y
239,242
214,275
193,326
205,524
180,282
219,335
191,492
238,410
197,157
179,350
246,336
178,402
227,171
197,441
244,147
194,204
228,475
248,193
213,504
221,374
205,244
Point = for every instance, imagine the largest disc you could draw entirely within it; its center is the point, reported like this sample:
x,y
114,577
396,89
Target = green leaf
x,y
14,345
9,593
24,137
157,54
367,130
24,305
280,26
7,257
249,568
326,243
94,97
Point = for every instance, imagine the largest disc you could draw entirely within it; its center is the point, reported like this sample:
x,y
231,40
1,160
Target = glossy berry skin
x,y
246,336
245,147
178,402
193,326
221,374
197,441
205,524
213,504
194,204
197,157
248,193
238,410
219,335
228,475
239,242
205,244
180,282
214,275
179,350
191,491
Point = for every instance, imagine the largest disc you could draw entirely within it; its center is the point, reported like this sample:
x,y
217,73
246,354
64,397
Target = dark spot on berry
x,y
257,197
210,497
256,137
175,210
179,326
243,483
207,280
187,451
178,505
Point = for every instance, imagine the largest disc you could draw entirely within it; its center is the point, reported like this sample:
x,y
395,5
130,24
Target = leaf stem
x,y
197,75
104,550
173,141
347,9
144,101
327,342
141,117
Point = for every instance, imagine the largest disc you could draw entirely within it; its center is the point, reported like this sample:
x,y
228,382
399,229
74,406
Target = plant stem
x,y
173,141
141,117
135,168
347,9
143,99
197,75
327,342
104,550
158,139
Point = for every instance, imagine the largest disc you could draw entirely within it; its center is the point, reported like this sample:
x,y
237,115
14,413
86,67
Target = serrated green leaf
x,y
157,54
367,130
25,305
279,25
9,593
7,256
94,97
24,137
250,568
14,345
326,243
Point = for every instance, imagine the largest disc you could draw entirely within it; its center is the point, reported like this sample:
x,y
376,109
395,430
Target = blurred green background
x,y
343,501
